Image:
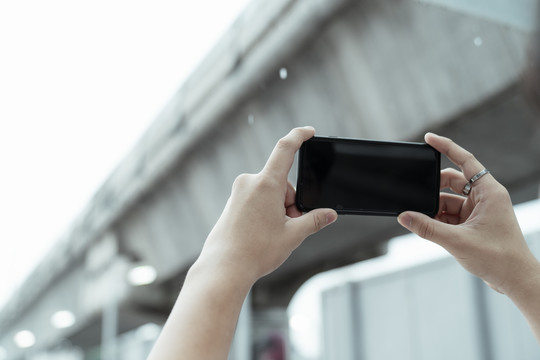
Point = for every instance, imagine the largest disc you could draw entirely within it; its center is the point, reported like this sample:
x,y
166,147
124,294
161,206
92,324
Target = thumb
x,y
424,226
313,221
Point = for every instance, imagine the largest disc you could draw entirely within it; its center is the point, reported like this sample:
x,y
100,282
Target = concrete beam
x,y
374,69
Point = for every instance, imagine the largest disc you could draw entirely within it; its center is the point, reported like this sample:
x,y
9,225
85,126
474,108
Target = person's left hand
x,y
261,225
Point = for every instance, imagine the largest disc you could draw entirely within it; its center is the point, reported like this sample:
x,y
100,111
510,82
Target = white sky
x,y
80,81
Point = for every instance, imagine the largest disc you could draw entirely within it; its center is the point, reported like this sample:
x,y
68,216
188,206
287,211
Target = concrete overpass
x,y
386,69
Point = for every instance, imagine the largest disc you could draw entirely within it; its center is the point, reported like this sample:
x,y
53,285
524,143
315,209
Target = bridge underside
x,y
381,69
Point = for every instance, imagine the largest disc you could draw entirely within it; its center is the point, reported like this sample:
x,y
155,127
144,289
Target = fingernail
x,y
331,217
435,135
405,220
309,127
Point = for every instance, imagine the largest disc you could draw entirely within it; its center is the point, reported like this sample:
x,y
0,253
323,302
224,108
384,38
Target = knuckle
x,y
468,157
285,143
318,223
501,194
241,180
426,230
265,183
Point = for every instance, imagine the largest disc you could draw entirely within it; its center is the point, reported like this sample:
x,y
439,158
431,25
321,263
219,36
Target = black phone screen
x,y
368,177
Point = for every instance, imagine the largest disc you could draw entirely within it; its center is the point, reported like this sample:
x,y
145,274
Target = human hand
x,y
257,231
261,225
481,230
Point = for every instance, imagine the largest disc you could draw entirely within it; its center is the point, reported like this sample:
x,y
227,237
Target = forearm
x,y
203,320
257,231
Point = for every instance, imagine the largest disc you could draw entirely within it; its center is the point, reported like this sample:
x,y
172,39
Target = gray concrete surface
x,y
373,69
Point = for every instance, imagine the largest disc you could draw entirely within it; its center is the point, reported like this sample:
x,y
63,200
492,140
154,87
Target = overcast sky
x,y
80,81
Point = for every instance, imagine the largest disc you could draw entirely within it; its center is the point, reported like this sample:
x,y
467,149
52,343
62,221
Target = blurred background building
x,y
419,303
379,69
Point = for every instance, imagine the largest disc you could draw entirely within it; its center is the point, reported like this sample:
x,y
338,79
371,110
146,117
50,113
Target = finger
x,y
426,227
458,155
280,161
290,196
449,219
451,204
290,202
312,221
454,209
453,179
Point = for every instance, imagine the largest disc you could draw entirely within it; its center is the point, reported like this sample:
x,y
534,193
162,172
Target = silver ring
x,y
468,186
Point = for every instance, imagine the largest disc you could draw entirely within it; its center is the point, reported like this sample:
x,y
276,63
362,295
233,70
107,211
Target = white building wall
x,y
433,310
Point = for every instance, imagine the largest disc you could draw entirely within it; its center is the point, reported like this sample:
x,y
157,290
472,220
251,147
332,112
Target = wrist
x,y
527,285
221,271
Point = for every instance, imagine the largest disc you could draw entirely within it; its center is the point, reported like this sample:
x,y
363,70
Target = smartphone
x,y
366,177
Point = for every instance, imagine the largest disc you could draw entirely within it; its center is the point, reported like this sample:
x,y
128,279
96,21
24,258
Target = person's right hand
x,y
261,226
481,230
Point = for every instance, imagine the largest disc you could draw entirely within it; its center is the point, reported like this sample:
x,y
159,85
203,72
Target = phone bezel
x,y
360,211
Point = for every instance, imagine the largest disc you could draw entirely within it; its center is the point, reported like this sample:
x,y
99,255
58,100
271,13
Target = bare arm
x,y
257,231
481,231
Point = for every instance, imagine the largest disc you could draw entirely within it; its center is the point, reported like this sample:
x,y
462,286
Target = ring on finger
x,y
468,186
